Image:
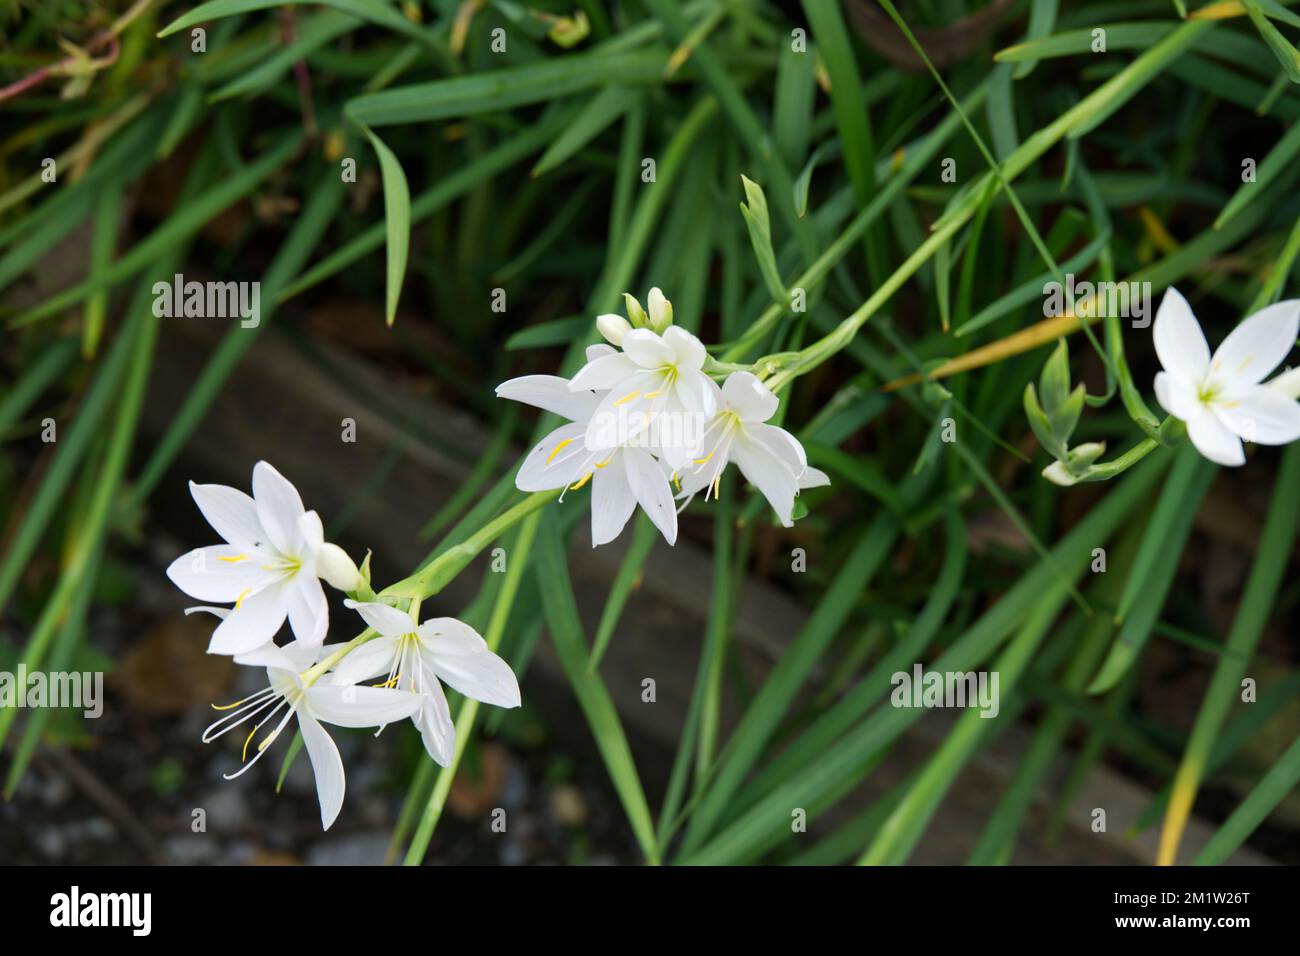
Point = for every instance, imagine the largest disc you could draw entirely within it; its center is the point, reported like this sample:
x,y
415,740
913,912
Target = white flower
x,y
288,696
416,658
770,457
621,477
654,376
267,567
1220,397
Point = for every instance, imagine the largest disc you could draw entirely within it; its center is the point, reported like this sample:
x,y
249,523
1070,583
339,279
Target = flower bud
x,y
634,311
613,328
661,311
1288,383
334,565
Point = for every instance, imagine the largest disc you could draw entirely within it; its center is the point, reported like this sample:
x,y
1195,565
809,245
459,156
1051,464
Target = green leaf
x,y
602,716
397,223
601,111
371,11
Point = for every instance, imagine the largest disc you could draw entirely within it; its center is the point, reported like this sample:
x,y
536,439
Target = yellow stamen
x,y
235,560
585,478
235,704
559,446
627,398
247,741
705,459
655,394
239,601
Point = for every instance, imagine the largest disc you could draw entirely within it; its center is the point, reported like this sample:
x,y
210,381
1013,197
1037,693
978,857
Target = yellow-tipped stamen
x,y
247,741
705,459
234,560
585,478
630,396
237,703
655,394
559,446
239,601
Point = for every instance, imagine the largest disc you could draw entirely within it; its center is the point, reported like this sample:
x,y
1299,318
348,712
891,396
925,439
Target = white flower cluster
x,y
645,418
271,567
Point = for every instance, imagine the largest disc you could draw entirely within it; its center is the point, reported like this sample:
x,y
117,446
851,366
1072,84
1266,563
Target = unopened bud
x,y
613,328
661,311
635,313
334,565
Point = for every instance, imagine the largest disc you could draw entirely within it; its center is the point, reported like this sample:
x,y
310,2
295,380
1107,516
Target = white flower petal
x,y
647,349
1259,344
309,611
604,372
359,705
269,656
254,622
1180,343
600,349
767,472
626,411
651,488
484,677
559,459
232,514
434,720
371,659
688,351
278,507
813,478
219,572
221,612
1261,415
311,534
552,394
749,398
327,765
384,618
612,502
302,656
1213,440
781,444
448,636
1177,398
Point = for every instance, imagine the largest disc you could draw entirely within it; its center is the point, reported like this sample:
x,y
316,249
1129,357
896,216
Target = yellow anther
x,y
559,446
239,601
247,741
234,560
630,396
655,394
705,459
585,478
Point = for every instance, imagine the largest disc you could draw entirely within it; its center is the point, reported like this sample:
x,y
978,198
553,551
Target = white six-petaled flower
x,y
270,565
1220,397
621,477
419,658
770,457
287,696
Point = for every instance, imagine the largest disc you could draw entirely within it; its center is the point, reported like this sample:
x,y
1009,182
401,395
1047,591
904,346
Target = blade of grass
x,y
1256,602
